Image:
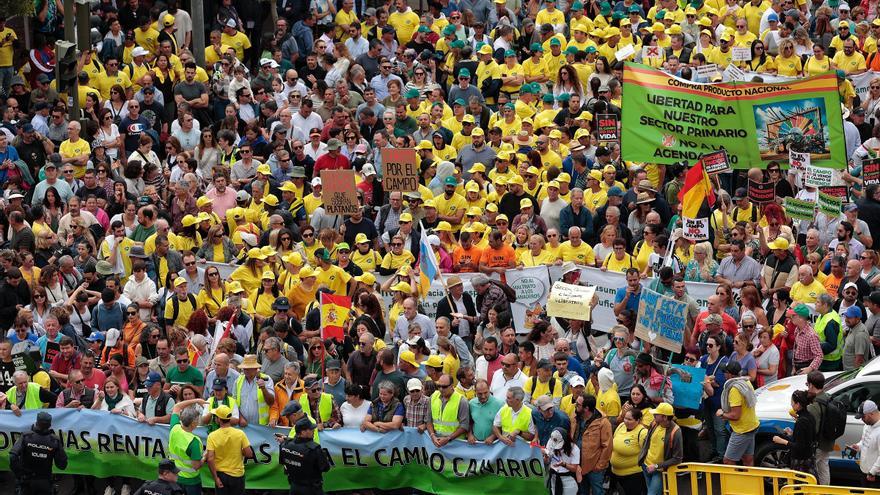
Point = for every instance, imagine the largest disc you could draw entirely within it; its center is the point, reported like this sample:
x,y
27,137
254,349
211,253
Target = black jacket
x,y
445,308
304,462
34,453
160,486
9,297
869,211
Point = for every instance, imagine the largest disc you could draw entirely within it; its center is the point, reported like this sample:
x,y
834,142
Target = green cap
x,y
577,6
511,105
590,49
605,8
343,246
536,47
564,97
555,42
802,310
424,29
459,101
450,181
634,9
464,73
617,15
571,50
660,15
841,74
449,29
411,93
457,44
509,53
547,98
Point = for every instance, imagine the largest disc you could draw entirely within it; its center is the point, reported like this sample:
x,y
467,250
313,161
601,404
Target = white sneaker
x,y
126,490
108,490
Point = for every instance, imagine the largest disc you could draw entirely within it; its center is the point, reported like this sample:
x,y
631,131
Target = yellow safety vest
x,y
445,420
508,425
821,322
31,399
178,441
262,407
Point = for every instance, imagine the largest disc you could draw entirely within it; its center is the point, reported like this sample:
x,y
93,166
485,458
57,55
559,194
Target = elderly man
x,y
514,419
853,275
507,377
543,384
828,328
273,360
489,295
157,405
716,307
458,307
386,411
449,415
780,270
483,409
444,329
411,315
738,268
807,289
319,406
25,394
547,417
254,392
857,348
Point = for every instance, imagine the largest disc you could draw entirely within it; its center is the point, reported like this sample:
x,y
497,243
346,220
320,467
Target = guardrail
x,y
717,479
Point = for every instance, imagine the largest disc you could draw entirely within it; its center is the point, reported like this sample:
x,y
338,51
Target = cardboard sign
x,y
707,71
871,171
651,52
799,209
733,73
401,169
716,162
762,192
798,161
607,128
532,287
695,229
625,53
741,54
829,205
836,191
340,192
23,362
570,301
52,350
661,320
818,176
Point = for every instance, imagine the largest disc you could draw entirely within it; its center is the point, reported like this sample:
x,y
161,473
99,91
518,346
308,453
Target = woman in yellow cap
x,y
502,224
217,247
474,196
397,257
249,274
263,297
399,292
212,297
444,232
188,239
363,255
302,294
288,277
273,262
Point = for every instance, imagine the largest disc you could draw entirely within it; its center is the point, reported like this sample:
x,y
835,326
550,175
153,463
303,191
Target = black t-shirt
x,y
6,371
132,130
365,226
154,113
99,192
33,154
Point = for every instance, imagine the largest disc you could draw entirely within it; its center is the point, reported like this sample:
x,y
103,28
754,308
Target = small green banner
x,y
829,205
799,209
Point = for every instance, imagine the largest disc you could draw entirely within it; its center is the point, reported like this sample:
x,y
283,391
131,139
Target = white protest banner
x,y
707,71
798,161
695,229
862,82
818,176
733,73
625,52
741,54
651,52
661,320
532,286
570,301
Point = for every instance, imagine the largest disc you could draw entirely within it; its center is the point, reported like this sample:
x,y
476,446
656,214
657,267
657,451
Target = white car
x,y
851,388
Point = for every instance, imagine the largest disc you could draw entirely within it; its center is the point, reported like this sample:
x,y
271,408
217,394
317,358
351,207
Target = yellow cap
x,y
264,169
553,183
203,201
612,31
597,32
472,187
424,144
168,20
609,168
293,258
585,115
268,251
486,49
491,207
658,26
402,287
843,24
189,221
405,217
704,22
222,412
674,29
234,287
625,22
268,275
255,254
429,203
516,179
555,134
503,155
474,211
501,180
367,278
361,238
469,118
179,281
270,199
581,133
306,272
563,178
690,11
434,361
203,217
289,187
579,26
477,167
501,217
443,226
525,203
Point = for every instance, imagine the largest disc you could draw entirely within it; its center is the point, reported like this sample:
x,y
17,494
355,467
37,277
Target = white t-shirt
x,y
352,417
561,458
765,360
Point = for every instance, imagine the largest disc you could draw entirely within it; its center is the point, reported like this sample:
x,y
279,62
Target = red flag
x,y
334,314
696,189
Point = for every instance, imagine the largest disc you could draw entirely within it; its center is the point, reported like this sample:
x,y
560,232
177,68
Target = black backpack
x,y
833,422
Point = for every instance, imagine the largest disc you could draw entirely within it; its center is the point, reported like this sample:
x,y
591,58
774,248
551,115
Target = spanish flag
x,y
334,314
697,188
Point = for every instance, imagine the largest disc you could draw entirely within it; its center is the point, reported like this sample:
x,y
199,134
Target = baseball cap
x,y
219,384
167,465
852,312
222,412
152,379
867,407
413,384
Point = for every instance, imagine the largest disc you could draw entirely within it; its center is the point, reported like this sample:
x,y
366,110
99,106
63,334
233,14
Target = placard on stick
x,y
798,161
818,176
716,162
608,129
761,192
836,191
830,206
871,171
741,54
570,301
695,229
661,320
340,192
799,209
401,170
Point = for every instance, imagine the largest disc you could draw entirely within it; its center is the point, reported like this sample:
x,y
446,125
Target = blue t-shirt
x,y
29,337
632,303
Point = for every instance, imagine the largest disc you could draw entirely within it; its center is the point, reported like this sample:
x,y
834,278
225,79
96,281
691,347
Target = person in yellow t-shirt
x,y
740,415
538,386
335,278
576,250
405,22
344,18
849,60
619,260
8,40
533,67
663,447
227,449
235,39
594,196
629,438
807,289
75,150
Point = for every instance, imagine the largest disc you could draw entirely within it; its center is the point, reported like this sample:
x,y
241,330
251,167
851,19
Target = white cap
x,y
433,240
368,170
273,64
414,384
139,51
111,337
316,181
16,196
576,381
265,61
231,23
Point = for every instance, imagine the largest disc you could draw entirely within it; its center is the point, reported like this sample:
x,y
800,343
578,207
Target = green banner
x,y
102,444
667,119
829,205
799,209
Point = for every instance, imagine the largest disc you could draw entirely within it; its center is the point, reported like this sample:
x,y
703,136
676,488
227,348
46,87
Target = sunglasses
x,y
131,313
182,361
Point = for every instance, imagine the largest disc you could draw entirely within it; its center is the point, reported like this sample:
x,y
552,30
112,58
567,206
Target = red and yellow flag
x,y
334,314
696,189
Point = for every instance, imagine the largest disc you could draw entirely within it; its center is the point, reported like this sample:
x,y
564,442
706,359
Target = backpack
x,y
550,386
175,303
833,421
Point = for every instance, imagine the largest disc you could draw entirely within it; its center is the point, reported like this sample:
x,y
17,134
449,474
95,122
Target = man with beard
x,y
152,110
477,151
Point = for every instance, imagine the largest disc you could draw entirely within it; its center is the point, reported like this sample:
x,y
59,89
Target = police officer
x,y
167,482
31,458
304,461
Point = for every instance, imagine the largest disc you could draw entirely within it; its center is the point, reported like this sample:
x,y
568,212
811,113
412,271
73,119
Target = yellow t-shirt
x,y
105,82
263,303
366,262
815,67
335,278
544,258
656,447
70,149
148,39
851,63
807,294
788,66
582,254
249,281
505,71
343,20
405,23
612,264
531,68
748,420
595,200
227,444
185,310
626,447
542,388
239,42
211,300
394,261
609,402
6,46
449,207
546,17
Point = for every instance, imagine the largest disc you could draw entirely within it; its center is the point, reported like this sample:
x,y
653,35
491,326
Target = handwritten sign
x,y
707,71
651,52
23,362
716,162
799,209
340,192
836,191
818,176
532,285
829,205
741,54
695,229
871,171
570,301
607,128
798,161
401,170
687,394
733,73
625,52
661,320
761,192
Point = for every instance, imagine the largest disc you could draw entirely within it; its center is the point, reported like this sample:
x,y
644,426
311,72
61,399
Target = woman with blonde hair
x,y
703,267
869,262
451,361
788,63
536,255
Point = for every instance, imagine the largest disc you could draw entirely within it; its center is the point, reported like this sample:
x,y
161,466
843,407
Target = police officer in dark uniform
x,y
304,461
167,482
32,456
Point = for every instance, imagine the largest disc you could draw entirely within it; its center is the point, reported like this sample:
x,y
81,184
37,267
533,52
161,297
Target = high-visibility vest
x,y
262,407
521,424
821,323
228,401
31,399
325,407
445,420
178,441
